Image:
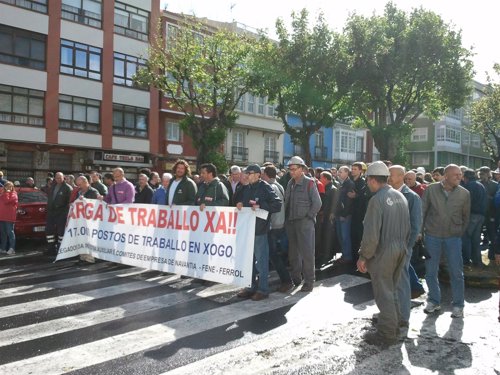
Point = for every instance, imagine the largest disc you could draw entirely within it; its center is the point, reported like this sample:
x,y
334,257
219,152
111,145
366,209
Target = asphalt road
x,y
108,318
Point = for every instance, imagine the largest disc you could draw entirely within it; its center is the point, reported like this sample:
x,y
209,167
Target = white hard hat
x,y
377,168
296,160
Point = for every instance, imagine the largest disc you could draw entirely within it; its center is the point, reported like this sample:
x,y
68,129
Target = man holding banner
x,y
181,190
212,192
259,194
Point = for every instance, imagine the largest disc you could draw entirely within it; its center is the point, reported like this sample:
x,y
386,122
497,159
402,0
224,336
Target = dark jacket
x,y
212,194
59,205
263,194
478,197
230,193
415,209
91,193
360,202
184,194
344,204
100,187
145,195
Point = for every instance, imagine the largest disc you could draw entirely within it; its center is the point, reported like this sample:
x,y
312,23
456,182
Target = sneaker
x,y
431,307
457,312
3,252
11,252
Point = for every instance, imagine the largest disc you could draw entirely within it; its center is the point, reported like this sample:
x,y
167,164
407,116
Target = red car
x,y
31,213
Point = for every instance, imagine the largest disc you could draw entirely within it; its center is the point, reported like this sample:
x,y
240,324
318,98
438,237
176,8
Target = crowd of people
x,y
379,218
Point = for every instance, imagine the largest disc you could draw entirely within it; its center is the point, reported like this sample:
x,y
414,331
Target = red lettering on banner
x,y
116,215
210,225
132,211
194,220
89,209
185,224
170,224
80,210
221,223
178,224
99,214
141,216
162,218
152,218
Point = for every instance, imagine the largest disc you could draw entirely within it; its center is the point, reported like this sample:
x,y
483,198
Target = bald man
x,y
410,180
59,196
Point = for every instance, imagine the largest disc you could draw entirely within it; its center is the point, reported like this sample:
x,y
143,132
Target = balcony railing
x,y
320,152
272,156
239,153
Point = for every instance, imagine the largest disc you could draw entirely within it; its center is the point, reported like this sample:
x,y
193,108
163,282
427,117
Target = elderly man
x,y
143,191
122,191
408,283
446,212
384,249
160,194
96,183
88,192
302,203
233,182
411,181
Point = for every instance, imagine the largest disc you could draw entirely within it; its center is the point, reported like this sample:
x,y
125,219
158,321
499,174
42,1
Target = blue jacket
x,y
478,197
262,193
415,208
159,196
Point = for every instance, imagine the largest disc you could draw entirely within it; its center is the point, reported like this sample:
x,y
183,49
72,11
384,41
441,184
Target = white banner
x,y
215,244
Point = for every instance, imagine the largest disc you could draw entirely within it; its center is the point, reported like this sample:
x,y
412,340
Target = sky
x,y
477,19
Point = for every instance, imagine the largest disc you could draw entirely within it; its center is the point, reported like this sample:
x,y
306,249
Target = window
x,y
21,47
420,158
261,105
271,110
88,12
130,121
131,21
173,132
238,139
240,106
476,141
449,134
419,135
270,153
21,106
36,5
124,69
345,141
80,60
250,103
79,113
239,152
319,139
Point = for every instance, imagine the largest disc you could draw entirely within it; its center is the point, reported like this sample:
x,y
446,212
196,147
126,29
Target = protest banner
x,y
215,244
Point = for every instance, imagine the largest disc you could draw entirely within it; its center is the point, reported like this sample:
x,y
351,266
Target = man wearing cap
x,y
383,251
258,194
302,203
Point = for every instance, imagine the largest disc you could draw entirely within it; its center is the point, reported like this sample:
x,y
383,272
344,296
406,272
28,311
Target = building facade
x,y
67,99
335,146
447,140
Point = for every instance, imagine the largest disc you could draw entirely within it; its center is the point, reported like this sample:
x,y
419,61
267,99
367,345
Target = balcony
x,y
239,153
320,153
272,156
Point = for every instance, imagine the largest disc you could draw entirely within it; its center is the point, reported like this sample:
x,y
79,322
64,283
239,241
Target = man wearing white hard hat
x,y
383,250
302,203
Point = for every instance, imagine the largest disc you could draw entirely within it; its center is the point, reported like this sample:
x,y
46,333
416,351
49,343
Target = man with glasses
x,y
302,203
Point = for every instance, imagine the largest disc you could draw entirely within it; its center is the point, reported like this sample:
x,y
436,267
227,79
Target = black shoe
x,y
375,338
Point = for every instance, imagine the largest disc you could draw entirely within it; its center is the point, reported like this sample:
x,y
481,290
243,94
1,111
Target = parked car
x,y
31,213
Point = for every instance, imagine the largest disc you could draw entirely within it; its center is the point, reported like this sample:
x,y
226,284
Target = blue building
x,y
333,146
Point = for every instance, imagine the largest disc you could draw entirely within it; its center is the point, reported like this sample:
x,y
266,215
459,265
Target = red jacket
x,y
8,206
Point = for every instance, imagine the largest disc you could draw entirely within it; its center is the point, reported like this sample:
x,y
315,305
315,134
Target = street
x,y
108,318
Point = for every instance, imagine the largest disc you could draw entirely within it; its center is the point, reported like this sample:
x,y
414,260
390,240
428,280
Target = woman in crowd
x,y
8,210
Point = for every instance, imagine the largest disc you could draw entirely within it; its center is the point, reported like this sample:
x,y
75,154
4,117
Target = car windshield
x,y
32,197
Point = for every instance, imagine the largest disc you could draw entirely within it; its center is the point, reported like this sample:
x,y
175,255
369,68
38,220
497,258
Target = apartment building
x,y
67,99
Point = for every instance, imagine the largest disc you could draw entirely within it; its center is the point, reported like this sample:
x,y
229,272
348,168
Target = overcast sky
x,y
477,19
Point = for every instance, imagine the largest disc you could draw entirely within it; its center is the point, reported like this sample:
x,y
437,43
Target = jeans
x,y
471,240
7,235
453,249
415,283
343,225
261,264
276,258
